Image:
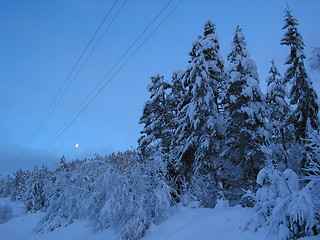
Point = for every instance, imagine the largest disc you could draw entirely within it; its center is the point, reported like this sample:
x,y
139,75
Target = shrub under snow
x,y
96,190
281,207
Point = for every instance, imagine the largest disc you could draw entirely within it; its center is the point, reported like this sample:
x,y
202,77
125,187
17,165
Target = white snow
x,y
183,223
202,223
292,180
21,228
12,209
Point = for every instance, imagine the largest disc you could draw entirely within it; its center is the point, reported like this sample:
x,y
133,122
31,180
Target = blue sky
x,y
41,41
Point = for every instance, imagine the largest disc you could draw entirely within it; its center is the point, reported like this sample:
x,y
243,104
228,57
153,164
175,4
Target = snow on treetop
x,y
238,48
239,35
250,66
209,27
209,42
290,19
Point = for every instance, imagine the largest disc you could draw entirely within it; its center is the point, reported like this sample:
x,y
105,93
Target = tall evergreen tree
x,y
35,197
175,97
244,108
302,95
277,112
198,112
20,184
173,100
153,117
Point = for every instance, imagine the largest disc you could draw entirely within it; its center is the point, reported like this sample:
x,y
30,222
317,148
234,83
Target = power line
x,y
56,100
67,125
120,59
53,104
83,103
86,59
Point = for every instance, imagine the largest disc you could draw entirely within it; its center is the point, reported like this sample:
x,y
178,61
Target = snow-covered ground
x,y
21,226
202,223
183,223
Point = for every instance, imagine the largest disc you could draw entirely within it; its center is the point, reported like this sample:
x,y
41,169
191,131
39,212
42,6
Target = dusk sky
x,y
42,40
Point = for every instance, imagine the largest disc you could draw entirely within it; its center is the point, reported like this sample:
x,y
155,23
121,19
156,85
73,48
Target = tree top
x,y
209,27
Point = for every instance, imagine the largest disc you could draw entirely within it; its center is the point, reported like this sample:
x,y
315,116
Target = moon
x,y
77,145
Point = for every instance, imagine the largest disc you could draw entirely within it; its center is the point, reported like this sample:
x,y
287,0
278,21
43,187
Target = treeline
x,y
210,136
216,129
220,136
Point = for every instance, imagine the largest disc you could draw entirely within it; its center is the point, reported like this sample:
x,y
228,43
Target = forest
x,y
210,138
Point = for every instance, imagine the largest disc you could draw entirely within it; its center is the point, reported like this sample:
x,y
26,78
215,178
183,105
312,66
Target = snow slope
x,y
182,224
202,223
21,229
21,226
15,209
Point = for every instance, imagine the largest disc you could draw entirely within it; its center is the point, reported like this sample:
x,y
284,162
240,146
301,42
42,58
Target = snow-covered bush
x,y
293,216
127,202
72,193
313,169
281,208
146,198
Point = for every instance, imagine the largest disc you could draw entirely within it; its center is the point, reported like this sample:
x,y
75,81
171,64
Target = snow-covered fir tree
x,y
277,112
154,117
172,147
20,185
6,185
206,136
302,95
35,196
174,100
244,110
198,113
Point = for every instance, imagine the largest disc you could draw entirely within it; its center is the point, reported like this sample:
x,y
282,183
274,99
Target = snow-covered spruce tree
x,y
171,148
20,185
35,196
277,112
154,117
302,95
174,100
6,184
197,116
158,118
244,110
